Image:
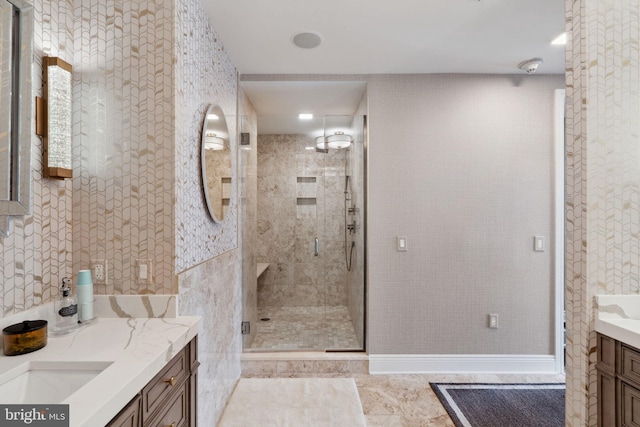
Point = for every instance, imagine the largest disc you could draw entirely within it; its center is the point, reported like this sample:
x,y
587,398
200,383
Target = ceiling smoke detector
x,y
530,65
307,40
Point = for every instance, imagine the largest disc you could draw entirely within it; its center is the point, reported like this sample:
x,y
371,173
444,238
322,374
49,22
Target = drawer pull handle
x,y
171,382
172,425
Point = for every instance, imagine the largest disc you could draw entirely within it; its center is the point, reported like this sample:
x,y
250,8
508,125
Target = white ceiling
x,y
377,37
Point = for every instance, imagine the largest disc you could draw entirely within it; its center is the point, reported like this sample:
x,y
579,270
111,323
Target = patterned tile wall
x,y
124,171
603,179
207,263
204,75
37,254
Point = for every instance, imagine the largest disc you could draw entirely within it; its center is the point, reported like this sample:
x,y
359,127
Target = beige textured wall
x,y
462,165
603,179
37,254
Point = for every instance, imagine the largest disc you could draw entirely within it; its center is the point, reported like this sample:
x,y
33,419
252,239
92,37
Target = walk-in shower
x,y
310,216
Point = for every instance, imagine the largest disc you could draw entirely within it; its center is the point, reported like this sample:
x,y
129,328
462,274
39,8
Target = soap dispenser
x,y
65,310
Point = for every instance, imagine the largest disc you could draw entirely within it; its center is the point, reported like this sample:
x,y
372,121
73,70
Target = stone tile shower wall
x,y
300,197
37,253
355,290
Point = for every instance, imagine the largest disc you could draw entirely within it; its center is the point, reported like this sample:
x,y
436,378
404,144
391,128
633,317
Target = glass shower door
x,y
344,234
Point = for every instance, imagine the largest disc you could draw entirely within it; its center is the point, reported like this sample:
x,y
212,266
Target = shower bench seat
x,y
262,267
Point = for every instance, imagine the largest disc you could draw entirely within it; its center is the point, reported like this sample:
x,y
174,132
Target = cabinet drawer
x,y
630,364
170,378
129,416
175,412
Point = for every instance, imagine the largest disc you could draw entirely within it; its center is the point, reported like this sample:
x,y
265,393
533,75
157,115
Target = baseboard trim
x,y
461,363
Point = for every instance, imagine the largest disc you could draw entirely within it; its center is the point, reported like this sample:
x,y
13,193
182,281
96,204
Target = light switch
x,y
401,243
538,243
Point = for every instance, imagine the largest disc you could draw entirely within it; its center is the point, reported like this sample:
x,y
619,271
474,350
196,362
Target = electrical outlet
x,y
100,271
144,271
493,321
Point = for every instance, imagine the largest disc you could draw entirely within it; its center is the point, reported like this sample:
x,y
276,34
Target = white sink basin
x,y
46,382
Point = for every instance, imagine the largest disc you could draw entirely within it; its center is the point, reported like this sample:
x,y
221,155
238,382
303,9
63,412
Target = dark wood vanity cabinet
x,y
169,399
618,382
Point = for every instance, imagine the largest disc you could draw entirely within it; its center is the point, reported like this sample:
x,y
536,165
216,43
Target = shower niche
x,y
308,193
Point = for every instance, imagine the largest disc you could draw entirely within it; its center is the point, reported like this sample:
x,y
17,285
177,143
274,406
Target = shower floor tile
x,y
305,328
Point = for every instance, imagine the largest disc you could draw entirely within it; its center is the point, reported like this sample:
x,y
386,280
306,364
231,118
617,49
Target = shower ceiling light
x,y
213,142
339,140
305,116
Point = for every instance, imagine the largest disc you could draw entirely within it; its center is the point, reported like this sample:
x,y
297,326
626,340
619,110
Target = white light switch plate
x,y
401,243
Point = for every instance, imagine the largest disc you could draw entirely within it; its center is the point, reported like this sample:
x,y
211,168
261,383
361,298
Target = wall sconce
x,y
53,117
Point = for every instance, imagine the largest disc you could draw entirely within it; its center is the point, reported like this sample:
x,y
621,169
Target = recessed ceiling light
x,y
307,40
561,39
305,116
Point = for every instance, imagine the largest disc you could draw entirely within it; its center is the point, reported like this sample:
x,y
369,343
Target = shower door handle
x,y
315,253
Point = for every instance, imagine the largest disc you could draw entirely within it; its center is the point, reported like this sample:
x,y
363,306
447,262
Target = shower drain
x,y
265,319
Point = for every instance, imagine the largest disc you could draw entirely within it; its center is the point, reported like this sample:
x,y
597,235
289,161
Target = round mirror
x,y
216,163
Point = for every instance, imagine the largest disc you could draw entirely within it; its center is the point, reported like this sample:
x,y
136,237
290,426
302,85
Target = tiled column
x,y
603,177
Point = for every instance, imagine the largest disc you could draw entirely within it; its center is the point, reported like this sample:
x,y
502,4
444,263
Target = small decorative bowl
x,y
24,337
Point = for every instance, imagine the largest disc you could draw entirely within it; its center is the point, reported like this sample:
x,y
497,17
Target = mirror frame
x,y
203,162
21,119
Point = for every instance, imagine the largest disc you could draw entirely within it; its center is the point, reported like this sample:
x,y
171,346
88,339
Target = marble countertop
x,y
618,317
139,348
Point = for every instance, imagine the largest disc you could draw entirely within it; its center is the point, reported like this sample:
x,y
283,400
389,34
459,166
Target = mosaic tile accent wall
x,y
124,133
204,75
207,265
37,254
603,179
300,197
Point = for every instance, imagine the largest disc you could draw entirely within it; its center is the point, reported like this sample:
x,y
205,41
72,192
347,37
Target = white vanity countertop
x,y
618,317
138,347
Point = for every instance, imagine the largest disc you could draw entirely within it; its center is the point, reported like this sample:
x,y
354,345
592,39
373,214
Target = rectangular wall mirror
x,y
16,56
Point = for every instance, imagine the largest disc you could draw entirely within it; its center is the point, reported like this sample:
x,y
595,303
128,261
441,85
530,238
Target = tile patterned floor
x,y
408,400
304,328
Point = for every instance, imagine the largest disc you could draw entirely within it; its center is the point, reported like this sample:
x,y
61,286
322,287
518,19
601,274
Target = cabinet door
x,y
175,411
629,405
129,416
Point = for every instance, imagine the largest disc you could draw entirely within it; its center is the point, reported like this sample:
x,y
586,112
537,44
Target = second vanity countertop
x,y
139,348
618,317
